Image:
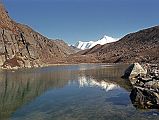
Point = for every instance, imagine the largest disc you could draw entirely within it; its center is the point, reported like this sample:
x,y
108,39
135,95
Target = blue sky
x,y
74,20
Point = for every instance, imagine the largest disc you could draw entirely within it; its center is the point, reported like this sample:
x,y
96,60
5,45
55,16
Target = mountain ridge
x,y
141,46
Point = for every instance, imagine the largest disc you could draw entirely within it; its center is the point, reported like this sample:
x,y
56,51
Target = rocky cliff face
x,y
142,46
21,46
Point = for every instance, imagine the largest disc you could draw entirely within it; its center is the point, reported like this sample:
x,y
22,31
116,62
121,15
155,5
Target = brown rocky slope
x,y
21,46
141,46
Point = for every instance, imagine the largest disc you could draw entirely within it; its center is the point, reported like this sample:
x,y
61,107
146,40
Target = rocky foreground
x,y
145,85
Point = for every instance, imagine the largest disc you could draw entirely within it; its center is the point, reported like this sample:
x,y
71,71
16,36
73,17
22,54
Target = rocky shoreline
x,y
145,86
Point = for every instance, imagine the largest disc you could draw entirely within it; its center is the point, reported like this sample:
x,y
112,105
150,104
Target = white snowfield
x,y
87,45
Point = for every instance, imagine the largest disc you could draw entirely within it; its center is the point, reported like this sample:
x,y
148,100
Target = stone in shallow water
x,y
144,98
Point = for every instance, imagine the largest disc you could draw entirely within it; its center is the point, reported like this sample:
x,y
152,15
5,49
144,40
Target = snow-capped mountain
x,y
87,45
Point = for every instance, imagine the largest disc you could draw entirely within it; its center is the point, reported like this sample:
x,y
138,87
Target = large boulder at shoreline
x,y
133,70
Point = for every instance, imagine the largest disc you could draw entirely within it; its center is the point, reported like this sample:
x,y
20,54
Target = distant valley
x,y
22,47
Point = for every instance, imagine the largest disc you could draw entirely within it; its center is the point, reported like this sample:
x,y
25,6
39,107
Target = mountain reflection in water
x,y
19,87
89,82
75,92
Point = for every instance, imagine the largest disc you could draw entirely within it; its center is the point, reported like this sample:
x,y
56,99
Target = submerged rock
x,y
144,98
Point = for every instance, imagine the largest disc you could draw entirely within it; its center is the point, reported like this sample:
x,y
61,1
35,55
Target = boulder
x,y
134,70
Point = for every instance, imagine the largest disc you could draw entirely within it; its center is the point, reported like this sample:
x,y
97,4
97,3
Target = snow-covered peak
x,y
104,40
87,45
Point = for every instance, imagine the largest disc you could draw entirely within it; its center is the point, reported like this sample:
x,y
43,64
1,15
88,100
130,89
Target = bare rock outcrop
x,y
21,46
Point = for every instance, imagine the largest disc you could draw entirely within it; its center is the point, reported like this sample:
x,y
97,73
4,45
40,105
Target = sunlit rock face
x,y
21,46
89,82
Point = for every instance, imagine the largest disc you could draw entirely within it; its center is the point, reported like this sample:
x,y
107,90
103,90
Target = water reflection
x,y
76,92
106,85
89,82
105,76
19,87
